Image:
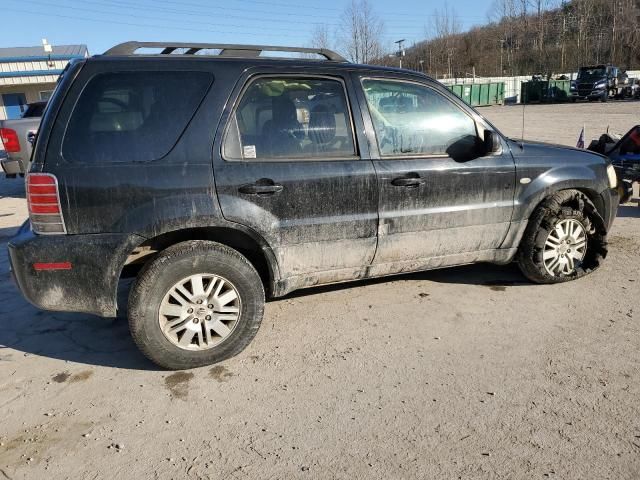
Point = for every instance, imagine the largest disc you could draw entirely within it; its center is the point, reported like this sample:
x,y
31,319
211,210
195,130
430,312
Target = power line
x,y
217,8
133,24
191,13
297,6
148,17
142,25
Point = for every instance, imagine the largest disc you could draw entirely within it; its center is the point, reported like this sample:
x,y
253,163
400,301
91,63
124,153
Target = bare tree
x,y
446,22
360,33
445,27
321,37
534,36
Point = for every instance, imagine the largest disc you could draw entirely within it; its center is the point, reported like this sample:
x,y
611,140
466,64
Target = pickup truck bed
x,y
25,130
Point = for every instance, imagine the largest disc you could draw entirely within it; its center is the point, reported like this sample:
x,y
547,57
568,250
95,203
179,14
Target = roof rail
x,y
226,50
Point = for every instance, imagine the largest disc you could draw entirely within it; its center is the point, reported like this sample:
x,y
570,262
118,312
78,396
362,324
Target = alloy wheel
x,y
565,247
200,311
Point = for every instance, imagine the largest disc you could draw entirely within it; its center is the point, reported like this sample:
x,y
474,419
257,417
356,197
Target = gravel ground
x,y
467,372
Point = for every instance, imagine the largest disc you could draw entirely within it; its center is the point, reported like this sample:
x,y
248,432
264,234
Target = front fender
x,y
541,177
529,195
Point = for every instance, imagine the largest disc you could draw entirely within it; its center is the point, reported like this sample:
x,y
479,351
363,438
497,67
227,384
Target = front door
x,y
15,104
441,202
290,169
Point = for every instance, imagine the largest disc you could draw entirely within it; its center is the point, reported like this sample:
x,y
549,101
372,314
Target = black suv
x,y
214,174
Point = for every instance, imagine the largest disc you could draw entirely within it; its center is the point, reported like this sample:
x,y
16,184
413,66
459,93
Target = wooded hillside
x,y
531,36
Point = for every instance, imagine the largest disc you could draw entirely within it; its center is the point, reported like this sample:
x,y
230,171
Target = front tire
x,y
197,303
564,240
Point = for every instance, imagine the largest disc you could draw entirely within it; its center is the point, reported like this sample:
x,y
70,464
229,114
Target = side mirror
x,y
491,142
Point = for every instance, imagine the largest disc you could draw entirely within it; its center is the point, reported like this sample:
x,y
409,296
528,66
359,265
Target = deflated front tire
x,y
564,240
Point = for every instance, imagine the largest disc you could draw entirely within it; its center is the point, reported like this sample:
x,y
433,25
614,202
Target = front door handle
x,y
408,181
264,186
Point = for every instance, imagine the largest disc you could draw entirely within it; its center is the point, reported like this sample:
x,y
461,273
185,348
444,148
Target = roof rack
x,y
226,50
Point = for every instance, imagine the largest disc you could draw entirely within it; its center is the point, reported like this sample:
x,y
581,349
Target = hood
x,y
542,149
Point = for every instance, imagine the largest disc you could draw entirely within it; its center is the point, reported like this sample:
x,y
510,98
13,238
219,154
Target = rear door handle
x,y
409,181
264,186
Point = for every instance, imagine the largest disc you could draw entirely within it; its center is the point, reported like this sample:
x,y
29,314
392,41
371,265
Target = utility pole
x,y
400,53
48,50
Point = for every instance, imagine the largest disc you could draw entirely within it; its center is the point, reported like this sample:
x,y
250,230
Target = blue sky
x,y
103,23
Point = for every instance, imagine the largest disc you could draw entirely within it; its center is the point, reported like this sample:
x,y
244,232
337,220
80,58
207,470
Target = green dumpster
x,y
480,94
548,91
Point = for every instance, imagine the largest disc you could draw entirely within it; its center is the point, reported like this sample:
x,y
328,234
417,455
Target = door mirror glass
x,y
491,142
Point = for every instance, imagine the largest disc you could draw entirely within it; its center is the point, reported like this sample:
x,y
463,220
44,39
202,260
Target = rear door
x,y
292,168
441,201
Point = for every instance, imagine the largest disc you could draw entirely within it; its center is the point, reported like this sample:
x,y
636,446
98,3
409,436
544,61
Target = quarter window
x,y
291,118
132,116
412,119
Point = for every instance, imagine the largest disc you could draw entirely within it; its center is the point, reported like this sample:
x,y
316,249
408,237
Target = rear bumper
x,y
90,286
11,166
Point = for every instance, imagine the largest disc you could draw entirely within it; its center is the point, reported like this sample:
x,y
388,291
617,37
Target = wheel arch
x,y
530,248
514,237
244,241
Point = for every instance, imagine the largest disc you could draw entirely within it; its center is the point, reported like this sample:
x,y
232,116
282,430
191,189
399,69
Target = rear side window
x,y
291,118
132,116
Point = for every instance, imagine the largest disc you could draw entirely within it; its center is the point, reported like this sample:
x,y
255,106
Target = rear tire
x,y
178,324
535,254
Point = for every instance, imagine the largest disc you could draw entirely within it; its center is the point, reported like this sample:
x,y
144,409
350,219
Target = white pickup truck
x,y
17,137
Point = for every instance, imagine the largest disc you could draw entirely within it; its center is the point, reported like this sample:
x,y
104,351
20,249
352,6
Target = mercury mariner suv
x,y
217,175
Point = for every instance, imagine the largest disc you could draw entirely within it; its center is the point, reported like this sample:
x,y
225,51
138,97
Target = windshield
x,y
34,110
592,72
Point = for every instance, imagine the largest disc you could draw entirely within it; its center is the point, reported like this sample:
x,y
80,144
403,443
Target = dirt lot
x,y
462,373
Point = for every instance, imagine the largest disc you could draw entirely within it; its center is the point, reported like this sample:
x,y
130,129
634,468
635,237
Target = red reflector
x,y
52,266
9,139
34,199
44,208
41,179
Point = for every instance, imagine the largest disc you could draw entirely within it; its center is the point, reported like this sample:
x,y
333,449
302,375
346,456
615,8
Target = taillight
x,y
43,200
10,140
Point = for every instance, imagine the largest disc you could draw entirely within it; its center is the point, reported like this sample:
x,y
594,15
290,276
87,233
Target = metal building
x,y
29,74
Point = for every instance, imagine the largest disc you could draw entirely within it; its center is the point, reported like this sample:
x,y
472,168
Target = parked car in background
x,y
632,89
17,137
599,82
217,179
624,153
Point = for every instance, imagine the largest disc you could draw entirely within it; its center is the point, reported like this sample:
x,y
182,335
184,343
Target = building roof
x,y
28,53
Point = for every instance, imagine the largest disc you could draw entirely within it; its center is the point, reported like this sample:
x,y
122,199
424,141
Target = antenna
x,y
524,104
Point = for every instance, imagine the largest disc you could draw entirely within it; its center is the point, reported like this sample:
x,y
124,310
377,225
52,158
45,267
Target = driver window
x,y
412,119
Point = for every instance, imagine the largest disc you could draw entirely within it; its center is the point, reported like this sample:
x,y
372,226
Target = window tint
x,y
411,119
132,116
291,118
